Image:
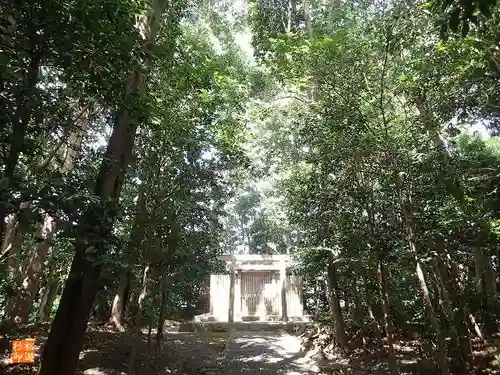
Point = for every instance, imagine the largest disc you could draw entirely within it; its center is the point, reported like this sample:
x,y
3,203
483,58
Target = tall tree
x,y
65,339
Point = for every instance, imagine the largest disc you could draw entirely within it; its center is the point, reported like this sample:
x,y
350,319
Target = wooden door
x,y
259,293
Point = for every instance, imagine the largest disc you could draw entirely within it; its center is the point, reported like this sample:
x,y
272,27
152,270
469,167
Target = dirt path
x,y
266,353
201,353
246,353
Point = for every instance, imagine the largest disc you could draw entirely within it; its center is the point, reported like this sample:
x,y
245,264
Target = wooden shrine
x,y
257,288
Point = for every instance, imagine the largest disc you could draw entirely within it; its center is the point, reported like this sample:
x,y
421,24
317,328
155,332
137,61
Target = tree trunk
x,y
131,310
457,286
12,243
60,355
338,319
150,329
457,190
475,326
486,288
232,282
308,18
410,237
46,302
29,287
120,301
63,346
345,295
358,310
9,26
138,320
77,131
383,285
137,235
163,308
289,17
151,313
444,297
22,117
10,231
457,311
61,351
440,339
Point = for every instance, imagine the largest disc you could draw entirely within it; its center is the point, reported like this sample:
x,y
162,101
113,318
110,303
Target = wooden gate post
x,y
284,314
230,317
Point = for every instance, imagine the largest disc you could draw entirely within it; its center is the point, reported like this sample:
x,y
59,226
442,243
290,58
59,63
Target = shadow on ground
x,y
103,353
265,353
108,353
203,353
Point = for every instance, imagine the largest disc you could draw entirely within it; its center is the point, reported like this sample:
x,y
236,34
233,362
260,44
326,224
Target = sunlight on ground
x,y
277,349
95,371
83,353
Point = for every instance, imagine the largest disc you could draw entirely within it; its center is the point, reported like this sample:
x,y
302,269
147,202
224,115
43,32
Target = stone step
x,y
238,326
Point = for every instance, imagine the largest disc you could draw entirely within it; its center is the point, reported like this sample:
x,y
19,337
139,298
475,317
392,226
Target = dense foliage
x,y
136,149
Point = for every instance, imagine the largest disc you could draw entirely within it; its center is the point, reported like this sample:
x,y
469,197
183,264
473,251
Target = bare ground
x,y
106,352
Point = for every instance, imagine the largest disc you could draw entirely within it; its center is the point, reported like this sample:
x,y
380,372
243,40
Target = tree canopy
x,y
140,140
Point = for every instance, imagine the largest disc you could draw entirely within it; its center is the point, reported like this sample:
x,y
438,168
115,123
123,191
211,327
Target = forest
x,y
142,138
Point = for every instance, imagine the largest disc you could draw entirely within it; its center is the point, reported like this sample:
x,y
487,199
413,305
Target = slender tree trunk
x,y
138,320
13,246
383,285
151,313
475,326
10,231
77,131
45,229
137,236
47,301
150,329
120,301
163,308
457,190
358,310
21,118
308,18
359,313
9,24
445,301
457,310
289,17
486,288
458,287
131,310
338,319
13,243
410,237
22,115
61,351
345,294
441,343
44,235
